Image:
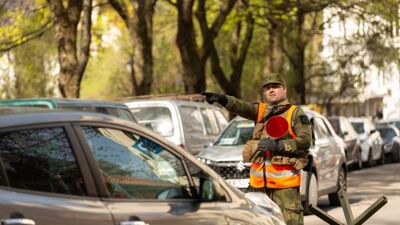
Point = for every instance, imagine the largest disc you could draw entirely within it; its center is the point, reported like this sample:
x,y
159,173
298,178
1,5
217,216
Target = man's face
x,y
274,93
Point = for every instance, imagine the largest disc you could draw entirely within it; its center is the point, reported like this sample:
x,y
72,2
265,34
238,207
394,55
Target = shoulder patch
x,y
304,119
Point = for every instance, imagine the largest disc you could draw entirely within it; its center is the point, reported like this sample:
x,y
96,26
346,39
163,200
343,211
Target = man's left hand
x,y
271,145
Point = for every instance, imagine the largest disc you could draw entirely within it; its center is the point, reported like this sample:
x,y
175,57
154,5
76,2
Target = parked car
x,y
345,130
371,141
111,108
391,142
388,122
83,168
184,120
329,171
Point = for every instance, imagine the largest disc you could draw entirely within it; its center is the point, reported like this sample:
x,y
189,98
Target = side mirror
x,y
207,190
208,145
345,133
372,131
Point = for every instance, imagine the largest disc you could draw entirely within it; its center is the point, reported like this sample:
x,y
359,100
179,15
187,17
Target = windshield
x,y
387,133
237,133
158,119
359,127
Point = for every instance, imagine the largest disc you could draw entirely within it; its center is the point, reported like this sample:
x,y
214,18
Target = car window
x,y
40,160
387,133
191,119
198,175
222,121
135,167
321,129
209,121
117,112
335,122
237,133
158,119
359,127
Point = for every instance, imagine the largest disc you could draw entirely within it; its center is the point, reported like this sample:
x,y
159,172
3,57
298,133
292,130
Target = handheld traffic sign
x,y
277,127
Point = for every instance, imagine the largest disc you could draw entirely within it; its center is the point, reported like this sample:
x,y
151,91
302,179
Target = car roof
x,y
13,118
66,101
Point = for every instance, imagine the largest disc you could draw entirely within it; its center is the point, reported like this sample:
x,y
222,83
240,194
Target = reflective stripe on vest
x,y
278,176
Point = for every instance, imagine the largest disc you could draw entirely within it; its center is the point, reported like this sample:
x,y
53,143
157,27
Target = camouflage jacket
x,y
296,150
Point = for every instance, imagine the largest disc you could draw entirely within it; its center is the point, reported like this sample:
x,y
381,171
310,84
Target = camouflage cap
x,y
274,78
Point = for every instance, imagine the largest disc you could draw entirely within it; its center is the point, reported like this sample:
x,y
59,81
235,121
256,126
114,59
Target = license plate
x,y
239,183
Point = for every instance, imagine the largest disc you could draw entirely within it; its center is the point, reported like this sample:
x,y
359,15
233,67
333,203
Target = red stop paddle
x,y
276,127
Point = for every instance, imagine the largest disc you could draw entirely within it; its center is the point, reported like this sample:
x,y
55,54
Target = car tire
x,y
341,184
396,153
381,159
359,164
311,193
370,160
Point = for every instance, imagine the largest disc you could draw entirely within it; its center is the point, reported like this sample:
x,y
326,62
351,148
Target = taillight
x,y
182,146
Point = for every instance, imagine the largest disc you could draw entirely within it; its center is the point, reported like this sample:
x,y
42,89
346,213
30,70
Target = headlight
x,y
262,200
388,146
205,161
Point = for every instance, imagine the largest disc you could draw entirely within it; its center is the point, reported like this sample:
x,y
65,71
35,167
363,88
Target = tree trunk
x,y
140,27
66,23
239,49
193,66
274,58
193,58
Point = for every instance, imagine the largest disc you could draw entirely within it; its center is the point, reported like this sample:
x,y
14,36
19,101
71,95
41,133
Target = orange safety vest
x,y
277,176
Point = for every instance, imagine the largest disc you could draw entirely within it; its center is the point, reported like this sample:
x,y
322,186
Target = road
x,y
365,187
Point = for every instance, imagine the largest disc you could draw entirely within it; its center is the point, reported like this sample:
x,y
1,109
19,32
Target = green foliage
x,y
21,21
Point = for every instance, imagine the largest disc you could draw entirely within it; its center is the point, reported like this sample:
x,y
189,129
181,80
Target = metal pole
x,y
370,211
324,216
344,201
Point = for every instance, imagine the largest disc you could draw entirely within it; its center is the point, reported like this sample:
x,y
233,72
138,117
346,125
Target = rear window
x,y
387,133
359,127
158,119
335,124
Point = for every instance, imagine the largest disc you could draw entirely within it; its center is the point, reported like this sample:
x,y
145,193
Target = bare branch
x,y
121,9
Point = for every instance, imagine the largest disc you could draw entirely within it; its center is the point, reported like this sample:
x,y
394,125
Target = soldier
x,y
276,163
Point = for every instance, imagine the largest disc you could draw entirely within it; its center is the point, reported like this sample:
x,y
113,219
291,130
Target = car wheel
x,y
342,184
370,160
395,153
381,159
312,193
359,164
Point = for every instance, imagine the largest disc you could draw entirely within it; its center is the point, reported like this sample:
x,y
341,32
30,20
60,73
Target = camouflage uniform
x,y
295,153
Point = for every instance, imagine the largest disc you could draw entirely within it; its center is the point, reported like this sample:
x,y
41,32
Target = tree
x,y
139,23
194,57
239,47
73,55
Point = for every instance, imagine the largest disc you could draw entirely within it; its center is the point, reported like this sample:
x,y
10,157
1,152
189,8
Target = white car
x,y
371,141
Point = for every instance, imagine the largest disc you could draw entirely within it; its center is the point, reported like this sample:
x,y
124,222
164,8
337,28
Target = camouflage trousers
x,y
288,199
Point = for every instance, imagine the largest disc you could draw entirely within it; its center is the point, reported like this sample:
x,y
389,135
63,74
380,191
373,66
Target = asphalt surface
x,y
364,188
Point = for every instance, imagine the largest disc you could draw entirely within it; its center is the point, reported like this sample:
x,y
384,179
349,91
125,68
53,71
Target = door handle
x,y
17,221
133,223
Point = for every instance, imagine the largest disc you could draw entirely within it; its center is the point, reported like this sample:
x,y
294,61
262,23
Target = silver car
x,y
329,171
82,168
191,125
371,141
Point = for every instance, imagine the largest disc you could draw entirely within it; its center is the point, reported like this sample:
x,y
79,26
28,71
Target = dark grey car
x,y
80,168
391,142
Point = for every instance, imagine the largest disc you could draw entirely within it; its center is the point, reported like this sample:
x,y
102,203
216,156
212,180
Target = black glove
x,y
215,97
266,144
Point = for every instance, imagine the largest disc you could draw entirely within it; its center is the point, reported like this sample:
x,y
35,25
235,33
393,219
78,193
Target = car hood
x,y
221,153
